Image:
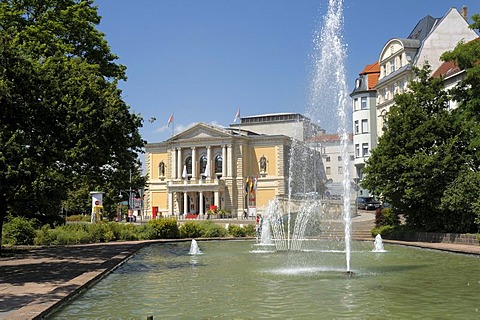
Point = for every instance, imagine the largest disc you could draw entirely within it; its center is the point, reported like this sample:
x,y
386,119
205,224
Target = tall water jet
x,y
329,95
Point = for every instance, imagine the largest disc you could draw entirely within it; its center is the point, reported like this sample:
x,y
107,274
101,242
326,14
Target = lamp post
x,y
130,201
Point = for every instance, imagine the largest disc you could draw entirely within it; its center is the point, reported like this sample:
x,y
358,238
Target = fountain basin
x,y
230,281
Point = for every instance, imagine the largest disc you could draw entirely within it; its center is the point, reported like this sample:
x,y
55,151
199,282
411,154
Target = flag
x,y
237,116
170,120
246,186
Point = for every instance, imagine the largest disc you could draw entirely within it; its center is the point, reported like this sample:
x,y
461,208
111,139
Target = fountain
x,y
378,244
232,283
194,249
328,89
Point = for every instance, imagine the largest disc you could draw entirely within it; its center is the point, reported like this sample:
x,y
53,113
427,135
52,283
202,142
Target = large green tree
x,y
419,155
63,122
463,196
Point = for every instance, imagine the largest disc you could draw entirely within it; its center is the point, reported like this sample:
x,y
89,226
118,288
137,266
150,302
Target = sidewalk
x,y
34,283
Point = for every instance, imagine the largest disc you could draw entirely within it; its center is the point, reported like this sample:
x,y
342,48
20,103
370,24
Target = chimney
x,y
465,13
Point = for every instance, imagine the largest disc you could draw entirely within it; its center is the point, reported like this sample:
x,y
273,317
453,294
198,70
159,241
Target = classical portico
x,y
207,165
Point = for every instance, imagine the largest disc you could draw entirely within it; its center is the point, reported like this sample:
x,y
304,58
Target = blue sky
x,y
202,60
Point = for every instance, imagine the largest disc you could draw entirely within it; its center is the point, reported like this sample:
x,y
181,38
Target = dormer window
x,y
358,82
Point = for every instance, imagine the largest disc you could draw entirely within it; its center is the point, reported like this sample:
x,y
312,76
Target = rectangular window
x,y
340,170
392,65
357,128
364,125
328,171
327,159
364,103
357,150
355,104
365,149
339,158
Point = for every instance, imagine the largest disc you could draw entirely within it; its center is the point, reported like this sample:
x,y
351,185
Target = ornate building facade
x,y
205,166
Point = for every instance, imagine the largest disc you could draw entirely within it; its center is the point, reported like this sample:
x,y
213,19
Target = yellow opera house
x,y
236,169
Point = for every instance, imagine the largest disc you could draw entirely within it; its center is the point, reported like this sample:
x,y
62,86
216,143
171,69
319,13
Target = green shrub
x,y
70,234
165,228
127,232
19,231
78,218
250,230
384,231
224,213
190,229
43,236
236,231
145,232
212,230
386,217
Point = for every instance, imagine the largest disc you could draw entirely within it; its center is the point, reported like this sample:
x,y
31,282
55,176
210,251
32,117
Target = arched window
x,y
203,163
218,164
188,164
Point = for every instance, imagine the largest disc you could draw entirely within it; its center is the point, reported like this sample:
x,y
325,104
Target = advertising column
x,y
97,205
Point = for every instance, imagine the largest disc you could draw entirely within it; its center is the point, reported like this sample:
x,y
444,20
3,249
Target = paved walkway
x,y
34,283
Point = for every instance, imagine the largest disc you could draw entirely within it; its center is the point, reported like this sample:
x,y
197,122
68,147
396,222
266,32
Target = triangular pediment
x,y
201,131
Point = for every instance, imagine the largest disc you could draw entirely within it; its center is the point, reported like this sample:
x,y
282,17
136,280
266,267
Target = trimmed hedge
x,y
21,231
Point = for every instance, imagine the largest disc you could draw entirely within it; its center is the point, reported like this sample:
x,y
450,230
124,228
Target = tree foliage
x,y
63,122
417,157
427,161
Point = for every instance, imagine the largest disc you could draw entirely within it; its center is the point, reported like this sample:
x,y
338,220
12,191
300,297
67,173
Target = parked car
x,y
367,203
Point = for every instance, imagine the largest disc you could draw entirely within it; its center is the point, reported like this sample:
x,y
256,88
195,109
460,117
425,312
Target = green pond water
x,y
239,280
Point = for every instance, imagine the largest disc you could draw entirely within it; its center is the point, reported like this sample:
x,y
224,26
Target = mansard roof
x,y
423,28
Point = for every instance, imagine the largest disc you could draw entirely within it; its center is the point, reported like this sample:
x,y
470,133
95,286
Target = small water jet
x,y
194,249
378,244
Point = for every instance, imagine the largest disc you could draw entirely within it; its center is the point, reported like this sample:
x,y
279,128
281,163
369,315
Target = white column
x,y
200,211
209,161
216,199
173,169
170,202
230,161
224,161
185,204
179,163
194,163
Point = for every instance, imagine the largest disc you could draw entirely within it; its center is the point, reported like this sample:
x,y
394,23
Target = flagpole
x,y
173,124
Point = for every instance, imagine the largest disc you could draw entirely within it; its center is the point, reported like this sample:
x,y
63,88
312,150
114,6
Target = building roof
x,y
423,28
372,73
447,69
330,138
368,78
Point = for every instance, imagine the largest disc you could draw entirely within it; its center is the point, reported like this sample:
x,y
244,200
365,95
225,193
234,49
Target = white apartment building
x,y
364,119
330,146
430,38
378,83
